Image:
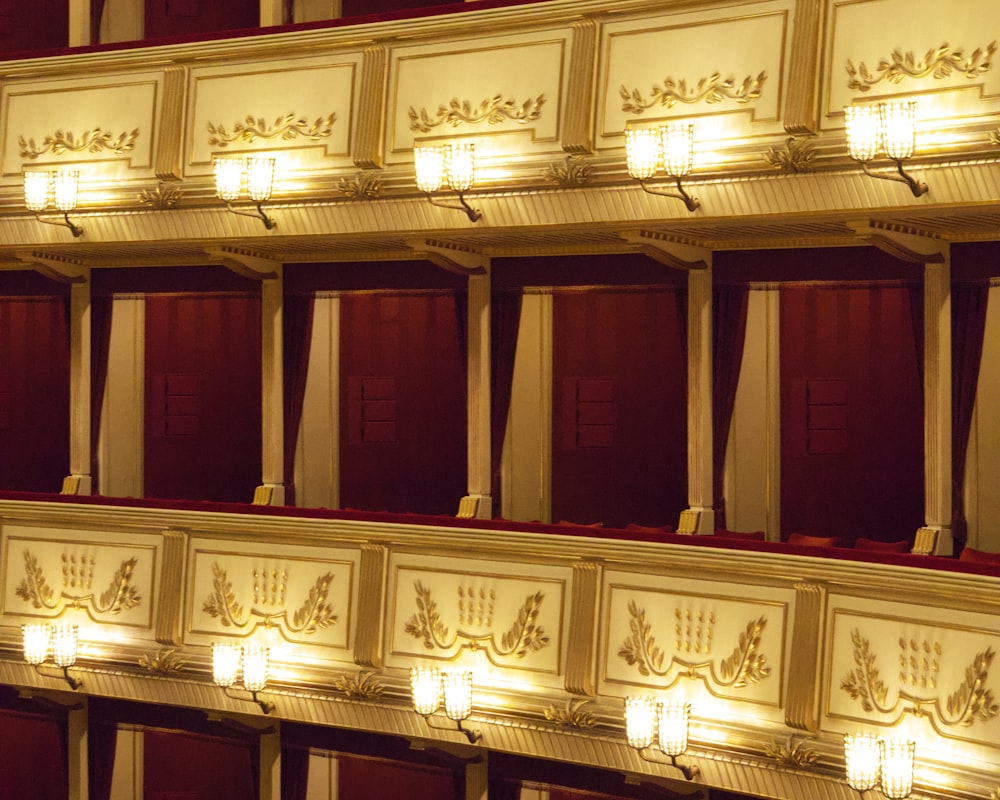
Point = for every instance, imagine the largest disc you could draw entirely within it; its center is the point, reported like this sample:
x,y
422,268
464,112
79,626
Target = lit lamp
x,y
451,164
671,146
888,128
56,188
226,660
647,721
428,685
256,172
37,638
861,759
897,768
886,763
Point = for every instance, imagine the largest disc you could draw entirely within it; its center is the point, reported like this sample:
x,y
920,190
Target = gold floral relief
x,y
96,140
78,569
940,62
919,661
288,127
364,687
711,89
164,662
794,755
694,633
492,110
267,603
573,715
797,155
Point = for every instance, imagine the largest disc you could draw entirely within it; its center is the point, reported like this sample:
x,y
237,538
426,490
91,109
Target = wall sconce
x,y
452,164
36,639
888,763
258,173
226,660
669,145
888,128
647,721
58,188
427,687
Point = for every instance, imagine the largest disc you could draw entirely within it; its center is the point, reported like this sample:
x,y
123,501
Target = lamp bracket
x,y
692,203
474,214
269,222
54,267
907,247
65,222
474,736
265,705
63,672
245,263
689,771
671,254
917,188
451,257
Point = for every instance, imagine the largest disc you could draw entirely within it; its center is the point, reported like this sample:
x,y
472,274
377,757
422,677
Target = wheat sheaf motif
x,y
120,595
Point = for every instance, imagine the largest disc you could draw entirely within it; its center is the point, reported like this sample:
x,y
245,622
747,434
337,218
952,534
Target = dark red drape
x,y
102,738
39,25
203,396
353,8
189,17
381,779
100,345
968,326
27,730
619,408
852,458
297,323
197,766
505,319
729,322
294,772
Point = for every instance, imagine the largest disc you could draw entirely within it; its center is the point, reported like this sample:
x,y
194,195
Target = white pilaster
x,y
699,331
79,480
937,403
478,396
272,491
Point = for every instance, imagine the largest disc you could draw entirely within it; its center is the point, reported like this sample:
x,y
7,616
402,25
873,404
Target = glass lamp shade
x,y
673,728
228,178
225,663
897,768
677,146
255,664
65,186
898,127
430,165
35,638
861,758
36,190
642,152
461,166
64,640
425,688
457,694
640,721
260,178
863,132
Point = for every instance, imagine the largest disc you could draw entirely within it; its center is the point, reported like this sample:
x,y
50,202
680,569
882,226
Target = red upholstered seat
x,y
747,536
979,556
902,546
813,541
580,524
650,529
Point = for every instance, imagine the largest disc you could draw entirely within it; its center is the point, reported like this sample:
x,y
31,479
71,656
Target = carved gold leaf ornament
x,y
794,755
995,136
574,171
164,196
972,701
711,89
165,662
493,110
363,687
120,595
573,715
941,62
525,635
95,141
365,186
796,156
745,665
313,615
287,127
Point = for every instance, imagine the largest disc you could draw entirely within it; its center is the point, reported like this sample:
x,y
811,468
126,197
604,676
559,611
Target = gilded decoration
x,y
365,186
287,127
995,136
574,715
96,140
492,110
476,609
919,663
163,197
694,634
363,687
712,89
794,755
269,591
796,156
77,582
574,171
941,62
164,662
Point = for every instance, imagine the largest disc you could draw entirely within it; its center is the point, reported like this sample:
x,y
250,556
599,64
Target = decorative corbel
x,y
907,247
451,257
55,267
661,249
245,263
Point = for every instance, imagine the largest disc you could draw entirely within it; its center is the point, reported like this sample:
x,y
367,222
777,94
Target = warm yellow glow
x,y
677,147
255,664
36,190
425,688
863,132
898,128
861,760
64,639
35,638
640,721
65,184
228,178
673,728
260,178
430,165
897,768
461,164
642,152
225,663
457,694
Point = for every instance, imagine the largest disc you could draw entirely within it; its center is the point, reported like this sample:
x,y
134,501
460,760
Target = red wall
x,y
188,766
361,778
188,17
38,25
23,772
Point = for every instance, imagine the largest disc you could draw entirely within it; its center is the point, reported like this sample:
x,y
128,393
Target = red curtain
x,y
619,407
403,408
203,396
100,346
852,458
354,8
38,25
197,767
361,778
297,324
34,392
191,17
24,735
505,319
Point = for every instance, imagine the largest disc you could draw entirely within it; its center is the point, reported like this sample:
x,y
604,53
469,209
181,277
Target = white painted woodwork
x,y
699,338
272,389
937,402
478,401
79,384
121,441
126,779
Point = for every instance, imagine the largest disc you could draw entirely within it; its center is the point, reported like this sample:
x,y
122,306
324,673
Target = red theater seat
x,y
746,536
979,556
902,546
805,540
